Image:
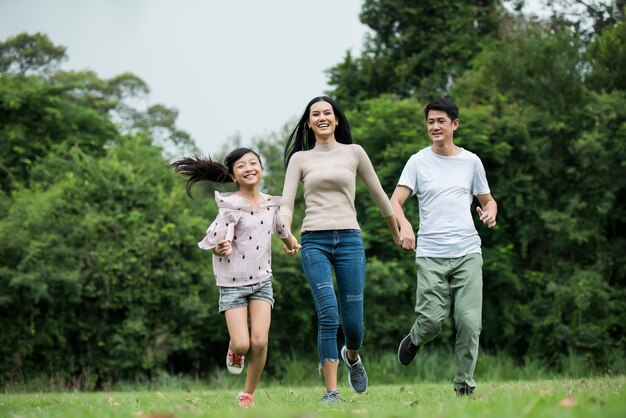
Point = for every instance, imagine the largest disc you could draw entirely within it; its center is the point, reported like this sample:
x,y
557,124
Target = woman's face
x,y
248,171
322,119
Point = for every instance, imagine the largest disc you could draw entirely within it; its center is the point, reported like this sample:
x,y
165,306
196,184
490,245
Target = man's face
x,y
440,127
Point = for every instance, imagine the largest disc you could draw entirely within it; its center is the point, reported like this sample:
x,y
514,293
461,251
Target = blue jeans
x,y
343,250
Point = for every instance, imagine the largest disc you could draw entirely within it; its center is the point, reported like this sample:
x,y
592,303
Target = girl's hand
x,y
295,247
223,248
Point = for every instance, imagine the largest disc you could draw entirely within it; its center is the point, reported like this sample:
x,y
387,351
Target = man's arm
x,y
488,209
407,235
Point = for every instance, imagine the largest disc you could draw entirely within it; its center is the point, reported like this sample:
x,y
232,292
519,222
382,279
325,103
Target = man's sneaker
x,y
407,351
464,390
357,378
245,400
332,396
234,363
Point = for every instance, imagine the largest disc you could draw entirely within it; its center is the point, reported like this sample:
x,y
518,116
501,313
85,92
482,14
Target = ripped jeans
x,y
343,250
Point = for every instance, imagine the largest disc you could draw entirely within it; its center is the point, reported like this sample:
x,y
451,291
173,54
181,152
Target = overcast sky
x,y
228,66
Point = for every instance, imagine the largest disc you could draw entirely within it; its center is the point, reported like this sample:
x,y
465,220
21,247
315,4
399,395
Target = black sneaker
x,y
464,390
407,351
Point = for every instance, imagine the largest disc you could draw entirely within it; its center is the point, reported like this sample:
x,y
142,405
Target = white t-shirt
x,y
445,187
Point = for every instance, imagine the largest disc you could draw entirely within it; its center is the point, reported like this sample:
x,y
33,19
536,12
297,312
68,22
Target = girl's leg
x,y
260,318
237,323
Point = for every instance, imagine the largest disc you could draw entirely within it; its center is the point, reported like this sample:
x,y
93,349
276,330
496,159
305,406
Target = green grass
x,y
593,397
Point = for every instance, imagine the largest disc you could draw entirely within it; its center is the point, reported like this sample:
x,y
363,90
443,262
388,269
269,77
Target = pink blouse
x,y
250,234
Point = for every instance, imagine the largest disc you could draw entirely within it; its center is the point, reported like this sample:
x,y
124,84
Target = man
x,y
445,177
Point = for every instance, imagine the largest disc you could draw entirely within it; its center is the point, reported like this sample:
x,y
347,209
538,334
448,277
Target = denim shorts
x,y
238,297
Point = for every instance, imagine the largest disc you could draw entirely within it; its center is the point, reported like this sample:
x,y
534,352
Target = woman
x,y
321,155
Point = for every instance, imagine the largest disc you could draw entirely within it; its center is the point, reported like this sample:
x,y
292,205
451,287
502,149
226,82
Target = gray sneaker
x,y
332,396
357,378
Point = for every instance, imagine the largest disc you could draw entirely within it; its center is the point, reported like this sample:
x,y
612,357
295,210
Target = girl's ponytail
x,y
201,169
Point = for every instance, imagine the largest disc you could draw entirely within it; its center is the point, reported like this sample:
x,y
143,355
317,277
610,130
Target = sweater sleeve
x,y
290,188
366,172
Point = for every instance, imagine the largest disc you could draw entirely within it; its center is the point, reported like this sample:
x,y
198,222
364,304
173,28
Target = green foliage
x,y
100,271
416,48
608,56
35,118
30,54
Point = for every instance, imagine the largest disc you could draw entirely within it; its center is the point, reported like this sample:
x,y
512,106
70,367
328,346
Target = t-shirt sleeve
x,y
408,177
366,171
479,182
222,228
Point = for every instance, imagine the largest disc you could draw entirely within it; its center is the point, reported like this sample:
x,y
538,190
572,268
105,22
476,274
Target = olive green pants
x,y
441,283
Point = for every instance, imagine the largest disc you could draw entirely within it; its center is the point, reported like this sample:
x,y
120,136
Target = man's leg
x,y
467,290
432,299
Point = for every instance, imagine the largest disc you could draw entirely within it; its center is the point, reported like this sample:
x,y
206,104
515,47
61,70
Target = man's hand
x,y
487,217
407,238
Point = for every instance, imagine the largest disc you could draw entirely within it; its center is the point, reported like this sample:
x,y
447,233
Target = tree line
x,y
100,276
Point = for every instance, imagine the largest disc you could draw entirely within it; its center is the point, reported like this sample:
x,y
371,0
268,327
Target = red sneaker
x,y
245,400
234,363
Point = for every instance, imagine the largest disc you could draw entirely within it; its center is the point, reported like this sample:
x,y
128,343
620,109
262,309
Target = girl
x,y
240,239
321,155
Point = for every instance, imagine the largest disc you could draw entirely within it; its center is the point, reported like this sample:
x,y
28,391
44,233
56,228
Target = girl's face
x,y
248,171
322,119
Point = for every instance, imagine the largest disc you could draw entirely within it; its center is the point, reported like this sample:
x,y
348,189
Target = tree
x,y
30,54
417,48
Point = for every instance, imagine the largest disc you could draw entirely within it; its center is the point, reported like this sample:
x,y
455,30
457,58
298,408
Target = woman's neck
x,y
324,140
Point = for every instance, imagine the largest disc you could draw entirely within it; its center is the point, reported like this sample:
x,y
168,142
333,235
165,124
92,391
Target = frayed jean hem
x,y
319,366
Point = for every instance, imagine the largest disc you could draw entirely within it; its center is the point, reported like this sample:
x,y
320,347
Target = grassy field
x,y
594,397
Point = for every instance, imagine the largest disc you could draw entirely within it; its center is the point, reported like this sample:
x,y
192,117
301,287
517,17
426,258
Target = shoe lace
x,y
235,360
357,370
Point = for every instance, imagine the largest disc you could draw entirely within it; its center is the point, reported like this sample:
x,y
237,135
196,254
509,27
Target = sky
x,y
230,67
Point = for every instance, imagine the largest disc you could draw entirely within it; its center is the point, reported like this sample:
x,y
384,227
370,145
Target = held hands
x,y
223,248
295,246
487,217
407,239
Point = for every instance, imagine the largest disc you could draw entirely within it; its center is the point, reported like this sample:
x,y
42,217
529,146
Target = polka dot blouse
x,y
250,234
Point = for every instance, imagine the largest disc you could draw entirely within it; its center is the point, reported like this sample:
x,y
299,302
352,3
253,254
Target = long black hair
x,y
205,169
302,138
